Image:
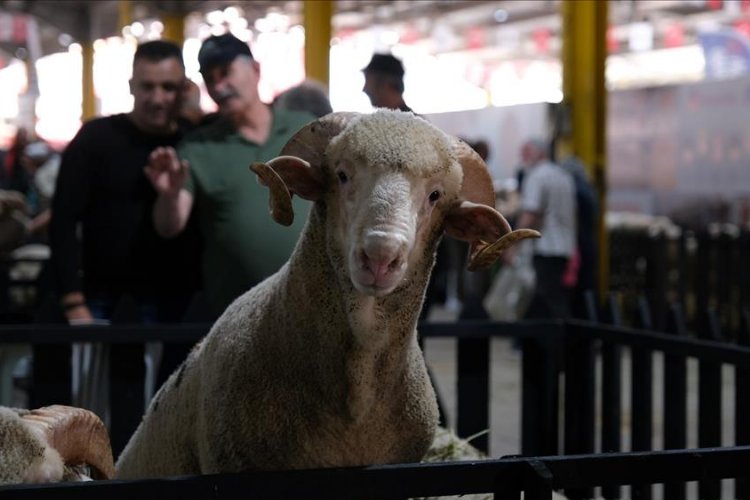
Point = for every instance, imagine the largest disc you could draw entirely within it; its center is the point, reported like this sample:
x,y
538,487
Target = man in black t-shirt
x,y
104,245
101,187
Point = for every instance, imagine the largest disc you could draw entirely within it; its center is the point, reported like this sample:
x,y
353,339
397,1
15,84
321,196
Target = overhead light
x,y
64,39
501,15
156,27
137,29
231,13
215,17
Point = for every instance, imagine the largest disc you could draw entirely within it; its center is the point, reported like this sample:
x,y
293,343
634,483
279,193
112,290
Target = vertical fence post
x,y
473,390
612,394
742,402
675,399
537,481
126,378
743,270
580,383
709,404
656,278
641,363
540,393
642,410
702,285
473,385
51,366
684,269
726,274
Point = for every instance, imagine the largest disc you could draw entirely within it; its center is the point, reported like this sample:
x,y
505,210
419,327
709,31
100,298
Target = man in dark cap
x,y
242,244
384,82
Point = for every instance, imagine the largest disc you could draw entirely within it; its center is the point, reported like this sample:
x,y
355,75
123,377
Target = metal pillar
x,y
584,50
174,27
317,23
88,110
124,14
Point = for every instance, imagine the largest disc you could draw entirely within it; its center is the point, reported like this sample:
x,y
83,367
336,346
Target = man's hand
x,y
79,315
75,308
166,171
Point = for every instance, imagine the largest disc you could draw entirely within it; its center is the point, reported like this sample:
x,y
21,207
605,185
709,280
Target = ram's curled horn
x,y
310,142
477,188
78,435
486,254
280,199
309,146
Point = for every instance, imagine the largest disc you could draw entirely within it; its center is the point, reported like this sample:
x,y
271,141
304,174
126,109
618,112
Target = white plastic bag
x,y
513,286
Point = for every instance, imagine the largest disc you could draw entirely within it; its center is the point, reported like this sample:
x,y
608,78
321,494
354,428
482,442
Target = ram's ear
x,y
487,231
285,176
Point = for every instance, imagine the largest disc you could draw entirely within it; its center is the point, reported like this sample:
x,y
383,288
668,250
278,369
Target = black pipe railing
x,y
555,355
506,478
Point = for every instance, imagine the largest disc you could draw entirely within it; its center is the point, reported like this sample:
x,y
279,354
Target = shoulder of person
x,y
101,124
95,133
293,118
214,129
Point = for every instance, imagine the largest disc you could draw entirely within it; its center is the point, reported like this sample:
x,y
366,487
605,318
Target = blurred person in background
x,y
209,172
13,177
310,96
103,193
384,82
473,285
384,86
548,204
102,236
42,164
582,270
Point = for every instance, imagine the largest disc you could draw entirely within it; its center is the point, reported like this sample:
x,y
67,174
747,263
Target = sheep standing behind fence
x,y
319,364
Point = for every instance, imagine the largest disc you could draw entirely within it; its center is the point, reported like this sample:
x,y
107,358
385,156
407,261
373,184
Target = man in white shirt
x,y
548,204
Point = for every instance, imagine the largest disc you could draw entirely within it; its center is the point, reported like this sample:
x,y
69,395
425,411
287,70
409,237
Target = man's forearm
x,y
171,213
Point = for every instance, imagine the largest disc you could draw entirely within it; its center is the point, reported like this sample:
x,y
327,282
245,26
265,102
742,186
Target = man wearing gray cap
x,y
242,245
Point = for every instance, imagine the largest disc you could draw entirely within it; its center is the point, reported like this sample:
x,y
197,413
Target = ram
x,y
319,364
52,444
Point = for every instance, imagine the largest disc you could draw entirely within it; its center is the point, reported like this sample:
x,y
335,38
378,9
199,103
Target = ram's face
x,y
389,202
389,184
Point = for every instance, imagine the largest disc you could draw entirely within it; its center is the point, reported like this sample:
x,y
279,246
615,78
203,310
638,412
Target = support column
x,y
174,27
317,23
88,110
124,14
584,27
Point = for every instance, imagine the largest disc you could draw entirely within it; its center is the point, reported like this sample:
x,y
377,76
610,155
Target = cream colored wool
x,y
25,456
310,368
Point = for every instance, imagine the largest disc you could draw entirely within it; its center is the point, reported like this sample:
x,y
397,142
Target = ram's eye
x,y
434,196
343,179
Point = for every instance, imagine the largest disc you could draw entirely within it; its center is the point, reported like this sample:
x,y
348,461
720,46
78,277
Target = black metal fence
x,y
571,404
505,478
706,271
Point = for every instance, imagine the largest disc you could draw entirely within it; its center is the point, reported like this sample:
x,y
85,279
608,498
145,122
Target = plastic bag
x,y
513,286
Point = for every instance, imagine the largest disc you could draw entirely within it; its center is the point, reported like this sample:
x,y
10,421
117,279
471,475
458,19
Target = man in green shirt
x,y
242,244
